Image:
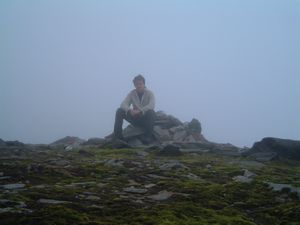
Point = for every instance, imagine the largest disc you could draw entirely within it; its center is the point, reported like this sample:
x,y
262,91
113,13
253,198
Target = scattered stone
x,y
172,165
149,185
5,177
280,187
12,186
242,179
246,178
114,162
135,190
161,196
93,198
80,184
51,201
194,177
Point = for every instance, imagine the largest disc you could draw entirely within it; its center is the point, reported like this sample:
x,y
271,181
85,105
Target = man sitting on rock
x,y
141,114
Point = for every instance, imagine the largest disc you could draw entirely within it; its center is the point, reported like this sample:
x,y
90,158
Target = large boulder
x,y
275,147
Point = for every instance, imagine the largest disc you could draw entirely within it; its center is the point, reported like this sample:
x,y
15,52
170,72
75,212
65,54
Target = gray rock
x,y
264,156
280,187
68,141
161,134
149,185
80,184
131,131
51,201
135,142
242,179
135,190
93,198
283,148
12,186
194,177
166,121
180,135
170,150
114,162
94,141
172,165
5,177
246,178
161,196
194,126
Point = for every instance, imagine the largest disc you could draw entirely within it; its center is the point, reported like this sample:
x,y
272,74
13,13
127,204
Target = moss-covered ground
x,y
91,183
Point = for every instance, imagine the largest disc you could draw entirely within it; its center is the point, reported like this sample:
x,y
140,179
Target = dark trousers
x,y
145,121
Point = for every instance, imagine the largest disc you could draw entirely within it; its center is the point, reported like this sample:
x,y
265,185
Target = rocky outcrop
x,y
272,148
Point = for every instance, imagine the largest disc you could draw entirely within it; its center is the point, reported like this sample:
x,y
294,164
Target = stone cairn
x,y
167,130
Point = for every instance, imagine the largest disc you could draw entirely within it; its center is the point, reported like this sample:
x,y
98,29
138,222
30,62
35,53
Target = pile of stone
x,y
167,129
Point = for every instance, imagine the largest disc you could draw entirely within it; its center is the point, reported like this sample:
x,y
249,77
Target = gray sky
x,y
66,65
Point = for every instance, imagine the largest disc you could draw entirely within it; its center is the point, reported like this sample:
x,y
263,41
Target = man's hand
x,y
135,112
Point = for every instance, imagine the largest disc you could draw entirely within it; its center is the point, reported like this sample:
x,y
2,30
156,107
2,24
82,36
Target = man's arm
x,y
150,105
125,105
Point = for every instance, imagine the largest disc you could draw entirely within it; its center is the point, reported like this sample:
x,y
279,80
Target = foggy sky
x,y
66,65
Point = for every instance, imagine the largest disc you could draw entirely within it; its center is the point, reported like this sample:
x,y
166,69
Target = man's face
x,y
139,86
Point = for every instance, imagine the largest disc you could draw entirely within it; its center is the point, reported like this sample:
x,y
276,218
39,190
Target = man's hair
x,y
139,77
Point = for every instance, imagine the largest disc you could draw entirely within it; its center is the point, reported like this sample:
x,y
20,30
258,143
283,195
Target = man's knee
x,y
120,112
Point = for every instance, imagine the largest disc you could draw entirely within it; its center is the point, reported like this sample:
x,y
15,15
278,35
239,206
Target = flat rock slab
x,y
12,186
135,190
51,201
161,196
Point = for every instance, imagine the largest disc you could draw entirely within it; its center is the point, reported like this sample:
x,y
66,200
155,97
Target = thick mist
x,y
65,66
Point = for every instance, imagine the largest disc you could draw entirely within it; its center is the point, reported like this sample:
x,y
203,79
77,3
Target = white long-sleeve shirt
x,y
146,103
